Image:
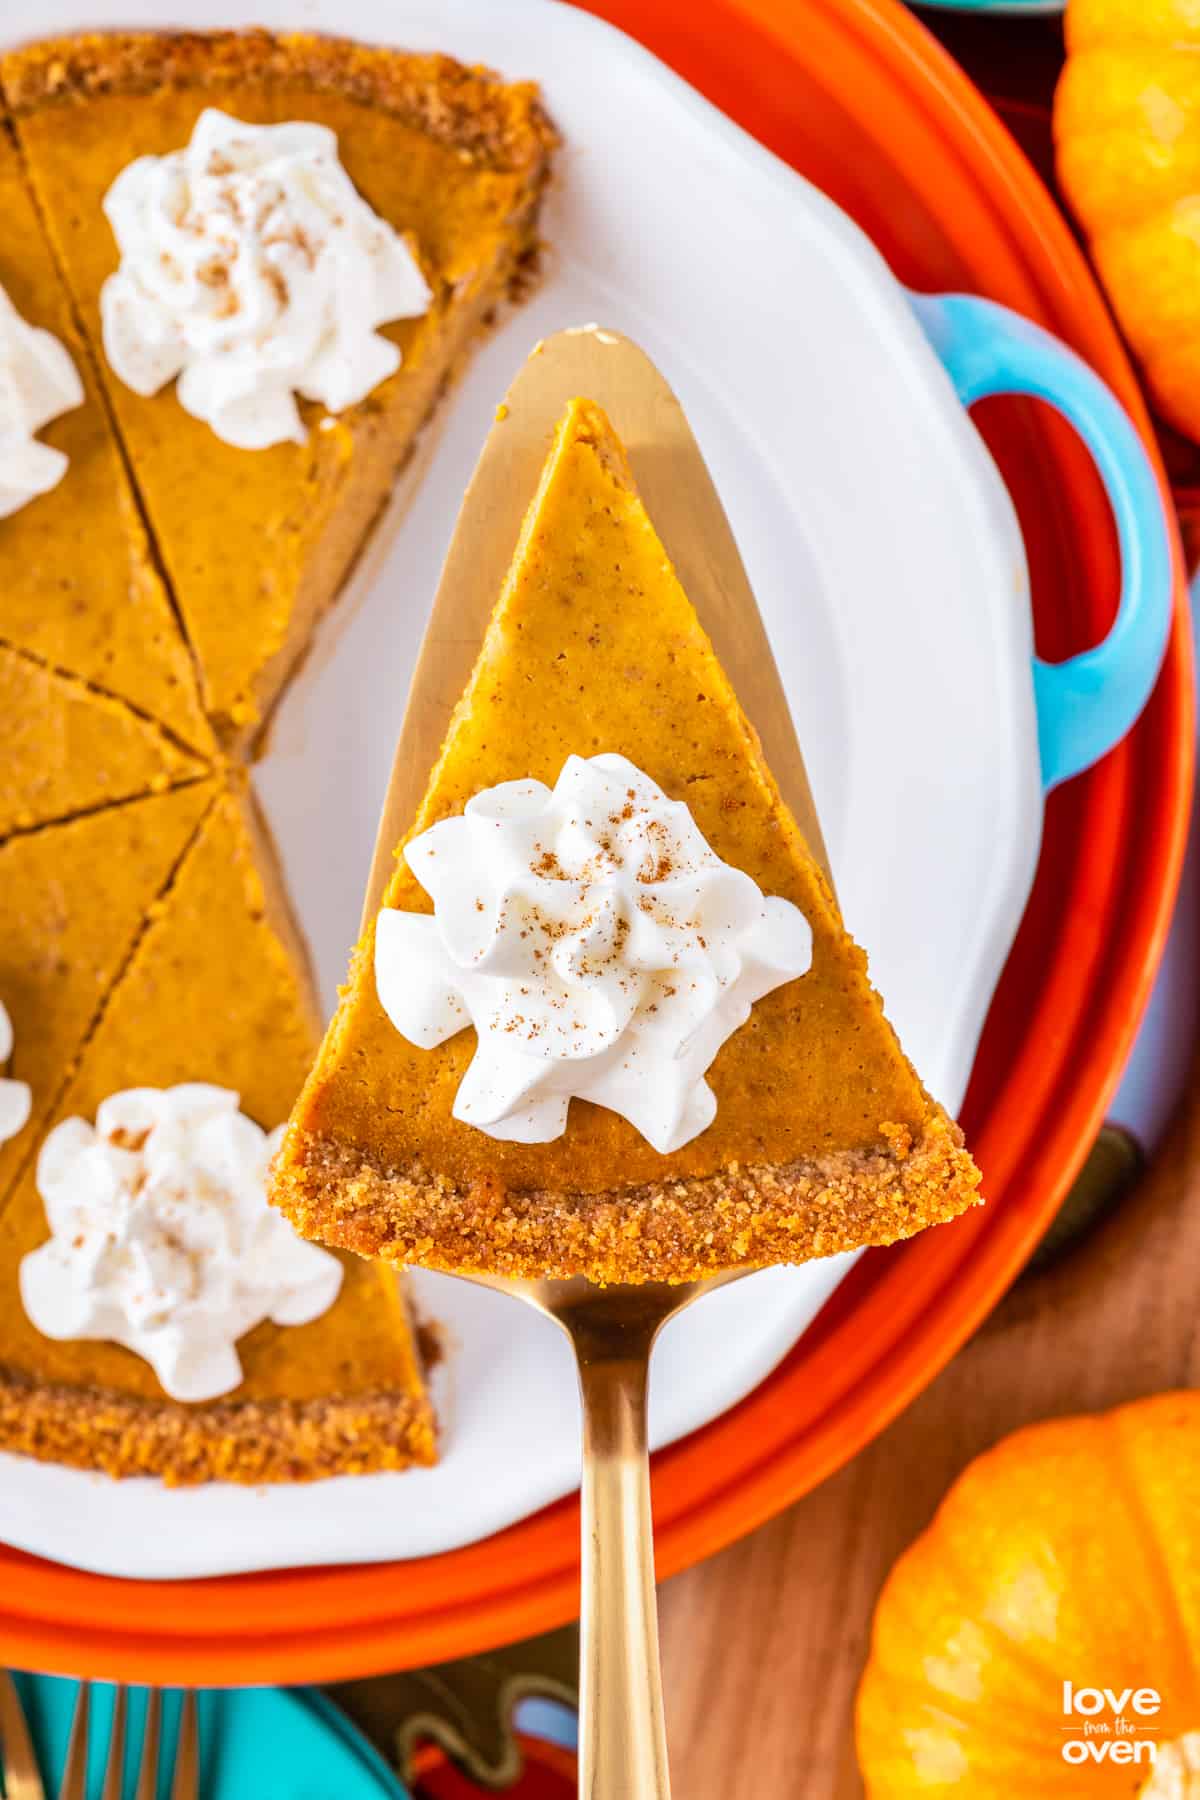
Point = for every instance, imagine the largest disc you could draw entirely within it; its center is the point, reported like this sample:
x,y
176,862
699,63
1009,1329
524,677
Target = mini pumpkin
x,y
1042,1637
1127,131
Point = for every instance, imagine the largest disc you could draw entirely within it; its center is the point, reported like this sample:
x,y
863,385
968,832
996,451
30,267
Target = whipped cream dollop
x,y
252,269
15,1097
162,1238
38,381
597,944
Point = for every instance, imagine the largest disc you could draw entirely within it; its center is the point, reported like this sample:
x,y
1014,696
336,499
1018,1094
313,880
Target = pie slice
x,y
823,1137
69,749
213,992
80,591
449,156
73,901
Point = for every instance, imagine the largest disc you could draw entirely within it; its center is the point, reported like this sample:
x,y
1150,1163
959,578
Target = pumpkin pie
x,y
147,936
80,590
823,1138
68,749
214,990
451,157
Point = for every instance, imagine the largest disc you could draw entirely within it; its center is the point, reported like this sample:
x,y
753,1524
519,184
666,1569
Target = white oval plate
x,y
888,565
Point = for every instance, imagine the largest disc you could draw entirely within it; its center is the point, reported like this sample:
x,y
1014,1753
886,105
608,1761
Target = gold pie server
x,y
612,1330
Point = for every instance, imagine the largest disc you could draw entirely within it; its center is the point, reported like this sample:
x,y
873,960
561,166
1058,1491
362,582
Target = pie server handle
x,y
1086,704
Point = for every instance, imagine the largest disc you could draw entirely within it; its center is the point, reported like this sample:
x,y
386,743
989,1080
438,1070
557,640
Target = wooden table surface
x,y
763,1645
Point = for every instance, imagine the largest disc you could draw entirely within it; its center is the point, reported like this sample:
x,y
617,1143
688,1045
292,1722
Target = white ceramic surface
x,y
888,565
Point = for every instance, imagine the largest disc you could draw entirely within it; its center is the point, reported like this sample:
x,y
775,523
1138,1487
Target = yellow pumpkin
x,y
1042,1638
1127,131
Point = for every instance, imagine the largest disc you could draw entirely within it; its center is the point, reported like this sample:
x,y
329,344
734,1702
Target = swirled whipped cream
x,y
597,944
162,1239
38,381
15,1097
253,270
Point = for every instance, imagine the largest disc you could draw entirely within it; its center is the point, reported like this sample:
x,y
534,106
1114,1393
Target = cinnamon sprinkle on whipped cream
x,y
596,942
162,1239
253,270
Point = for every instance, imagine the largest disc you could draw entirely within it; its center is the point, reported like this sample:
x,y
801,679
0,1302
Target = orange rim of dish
x,y
952,203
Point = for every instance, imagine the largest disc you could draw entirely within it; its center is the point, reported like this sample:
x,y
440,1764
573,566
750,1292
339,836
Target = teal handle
x,y
1088,703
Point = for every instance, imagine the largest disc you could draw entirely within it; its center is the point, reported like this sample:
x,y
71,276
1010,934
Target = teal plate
x,y
255,1743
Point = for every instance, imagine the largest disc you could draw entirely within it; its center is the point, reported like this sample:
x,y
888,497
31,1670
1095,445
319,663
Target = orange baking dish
x,y
857,96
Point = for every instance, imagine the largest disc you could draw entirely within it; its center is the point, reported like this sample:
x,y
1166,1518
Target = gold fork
x,y
185,1783
21,1778
613,1329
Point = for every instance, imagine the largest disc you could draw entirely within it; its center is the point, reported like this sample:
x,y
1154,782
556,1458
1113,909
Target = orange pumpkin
x,y
1043,1637
1127,130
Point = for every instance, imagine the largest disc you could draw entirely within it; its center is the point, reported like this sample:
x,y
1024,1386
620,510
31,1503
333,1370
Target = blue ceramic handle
x,y
1086,704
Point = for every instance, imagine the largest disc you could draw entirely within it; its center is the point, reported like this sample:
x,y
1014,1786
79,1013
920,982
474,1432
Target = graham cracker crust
x,y
741,1217
246,1442
502,124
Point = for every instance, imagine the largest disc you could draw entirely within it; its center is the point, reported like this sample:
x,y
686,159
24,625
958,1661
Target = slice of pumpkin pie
x,y
608,1021
152,1319
73,904
282,249
80,590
